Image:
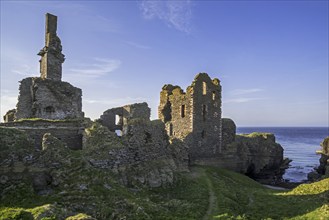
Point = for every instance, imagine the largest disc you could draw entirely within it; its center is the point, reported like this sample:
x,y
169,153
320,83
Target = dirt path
x,y
212,207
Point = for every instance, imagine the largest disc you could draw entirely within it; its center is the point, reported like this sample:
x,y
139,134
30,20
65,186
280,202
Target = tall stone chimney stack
x,y
51,54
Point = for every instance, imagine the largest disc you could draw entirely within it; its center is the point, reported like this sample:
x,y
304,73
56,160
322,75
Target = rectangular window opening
x,y
182,111
204,112
204,88
170,130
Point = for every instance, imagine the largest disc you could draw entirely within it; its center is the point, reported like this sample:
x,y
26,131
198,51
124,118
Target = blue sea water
x,y
299,144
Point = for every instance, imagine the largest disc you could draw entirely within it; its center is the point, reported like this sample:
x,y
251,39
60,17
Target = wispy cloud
x,y
137,45
115,102
25,70
101,23
99,68
310,102
244,95
176,14
245,91
243,100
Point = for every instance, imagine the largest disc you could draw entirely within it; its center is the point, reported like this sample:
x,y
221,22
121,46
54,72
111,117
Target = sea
x,y
299,144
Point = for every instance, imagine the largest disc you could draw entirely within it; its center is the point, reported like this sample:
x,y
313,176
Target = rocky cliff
x,y
257,154
323,170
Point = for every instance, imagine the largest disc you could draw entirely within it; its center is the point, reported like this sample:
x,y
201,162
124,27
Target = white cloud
x,y
8,101
99,68
175,14
245,91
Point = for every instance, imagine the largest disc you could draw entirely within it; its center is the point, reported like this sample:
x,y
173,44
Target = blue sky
x,y
271,56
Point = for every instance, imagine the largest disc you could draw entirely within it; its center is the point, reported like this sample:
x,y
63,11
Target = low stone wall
x,y
143,155
70,132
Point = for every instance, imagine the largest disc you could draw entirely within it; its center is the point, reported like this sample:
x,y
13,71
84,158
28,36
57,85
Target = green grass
x,y
204,193
242,198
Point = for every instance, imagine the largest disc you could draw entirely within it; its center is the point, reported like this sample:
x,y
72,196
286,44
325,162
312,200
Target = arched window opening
x,y
118,133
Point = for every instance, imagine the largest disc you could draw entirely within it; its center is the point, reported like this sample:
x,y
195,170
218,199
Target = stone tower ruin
x,y
194,116
47,96
51,54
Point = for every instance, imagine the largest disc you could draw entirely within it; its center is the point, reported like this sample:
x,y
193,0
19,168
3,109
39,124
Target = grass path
x,y
212,206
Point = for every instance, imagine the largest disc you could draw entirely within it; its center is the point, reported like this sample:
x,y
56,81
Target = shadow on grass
x,y
240,197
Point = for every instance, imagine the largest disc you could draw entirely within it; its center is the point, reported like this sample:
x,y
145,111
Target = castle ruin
x,y
194,116
47,97
190,129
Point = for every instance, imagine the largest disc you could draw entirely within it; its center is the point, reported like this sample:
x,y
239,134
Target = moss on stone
x,y
14,143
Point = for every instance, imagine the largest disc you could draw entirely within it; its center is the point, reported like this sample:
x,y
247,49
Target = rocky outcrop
x,y
256,155
261,156
323,169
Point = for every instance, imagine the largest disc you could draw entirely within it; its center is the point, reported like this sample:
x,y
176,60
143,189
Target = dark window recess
x,y
182,111
213,96
204,112
49,109
148,137
203,134
170,129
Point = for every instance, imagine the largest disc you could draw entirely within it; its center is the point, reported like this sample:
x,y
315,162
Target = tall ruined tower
x,y
47,96
194,116
51,54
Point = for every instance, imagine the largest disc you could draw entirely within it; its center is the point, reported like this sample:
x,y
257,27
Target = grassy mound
x,y
204,193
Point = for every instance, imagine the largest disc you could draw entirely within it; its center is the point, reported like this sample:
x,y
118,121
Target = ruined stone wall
x,y
176,111
195,116
124,114
143,155
25,99
207,125
70,132
48,99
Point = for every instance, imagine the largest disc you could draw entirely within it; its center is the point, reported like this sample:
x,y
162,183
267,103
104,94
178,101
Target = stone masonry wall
x,y
70,132
125,114
207,125
48,99
195,116
143,155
